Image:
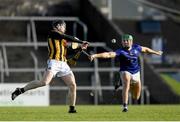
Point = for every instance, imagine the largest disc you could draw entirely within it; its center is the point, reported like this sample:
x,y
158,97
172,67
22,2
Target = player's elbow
x,y
146,50
111,55
107,55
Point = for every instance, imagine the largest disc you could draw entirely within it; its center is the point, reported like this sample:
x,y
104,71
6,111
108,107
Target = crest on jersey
x,y
135,51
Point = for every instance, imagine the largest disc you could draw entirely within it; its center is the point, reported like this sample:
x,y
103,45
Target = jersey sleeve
x,y
69,38
138,47
118,52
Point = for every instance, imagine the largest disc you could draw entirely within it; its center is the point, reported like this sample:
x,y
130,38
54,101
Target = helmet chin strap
x,y
126,48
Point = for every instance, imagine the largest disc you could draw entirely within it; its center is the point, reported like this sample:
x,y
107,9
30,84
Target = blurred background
x,y
23,48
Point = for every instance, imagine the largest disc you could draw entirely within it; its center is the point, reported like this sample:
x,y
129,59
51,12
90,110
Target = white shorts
x,y
134,77
58,68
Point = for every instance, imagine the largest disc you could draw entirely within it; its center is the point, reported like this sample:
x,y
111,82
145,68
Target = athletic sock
x,y
124,105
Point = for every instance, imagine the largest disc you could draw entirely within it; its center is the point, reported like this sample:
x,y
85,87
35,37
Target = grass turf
x,y
92,113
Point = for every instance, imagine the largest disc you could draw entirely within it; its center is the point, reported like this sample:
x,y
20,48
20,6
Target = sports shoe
x,y
72,111
16,93
125,109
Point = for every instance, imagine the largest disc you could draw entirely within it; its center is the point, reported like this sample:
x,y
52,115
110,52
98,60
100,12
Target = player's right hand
x,y
91,57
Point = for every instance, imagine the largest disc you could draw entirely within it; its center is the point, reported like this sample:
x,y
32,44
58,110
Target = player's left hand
x,y
84,45
159,52
74,45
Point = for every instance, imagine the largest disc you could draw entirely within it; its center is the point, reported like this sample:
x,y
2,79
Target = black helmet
x,y
56,22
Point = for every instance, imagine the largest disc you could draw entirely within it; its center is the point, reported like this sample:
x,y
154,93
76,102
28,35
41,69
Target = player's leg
x,y
136,90
136,86
48,75
125,77
70,82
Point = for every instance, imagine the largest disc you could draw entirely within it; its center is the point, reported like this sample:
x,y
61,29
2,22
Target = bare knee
x,y
137,91
47,78
43,83
72,86
126,86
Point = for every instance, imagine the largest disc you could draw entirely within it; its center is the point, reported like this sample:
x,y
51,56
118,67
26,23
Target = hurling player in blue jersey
x,y
129,66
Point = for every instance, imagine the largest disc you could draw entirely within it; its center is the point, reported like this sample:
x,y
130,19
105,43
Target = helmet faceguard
x,y
127,41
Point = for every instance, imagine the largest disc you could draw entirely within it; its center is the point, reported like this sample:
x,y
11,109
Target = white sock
x,y
33,85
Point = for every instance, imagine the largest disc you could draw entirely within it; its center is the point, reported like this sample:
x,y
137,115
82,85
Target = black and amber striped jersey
x,y
58,44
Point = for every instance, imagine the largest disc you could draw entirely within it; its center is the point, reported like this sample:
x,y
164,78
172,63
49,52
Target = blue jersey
x,y
129,58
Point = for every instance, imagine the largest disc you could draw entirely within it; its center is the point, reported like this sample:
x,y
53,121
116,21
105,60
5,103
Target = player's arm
x,y
150,51
103,55
69,38
74,42
73,39
72,61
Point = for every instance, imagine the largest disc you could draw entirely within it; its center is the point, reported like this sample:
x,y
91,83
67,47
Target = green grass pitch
x,y
92,113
